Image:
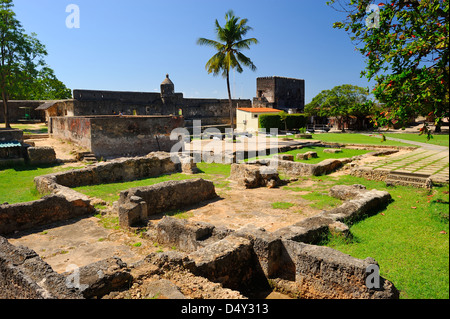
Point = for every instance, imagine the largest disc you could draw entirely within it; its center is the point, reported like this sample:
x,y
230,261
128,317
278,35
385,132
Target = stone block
x,y
306,156
228,261
332,150
183,234
254,176
41,155
102,277
284,157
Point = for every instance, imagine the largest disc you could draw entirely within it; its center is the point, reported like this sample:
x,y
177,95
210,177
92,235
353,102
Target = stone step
x,y
409,179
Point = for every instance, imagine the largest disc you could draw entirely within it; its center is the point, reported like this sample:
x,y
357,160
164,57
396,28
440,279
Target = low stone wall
x,y
24,275
137,204
370,174
118,170
49,209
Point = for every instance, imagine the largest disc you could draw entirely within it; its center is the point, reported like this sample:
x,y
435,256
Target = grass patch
x,y
17,186
322,200
29,129
442,140
282,205
355,138
409,239
320,154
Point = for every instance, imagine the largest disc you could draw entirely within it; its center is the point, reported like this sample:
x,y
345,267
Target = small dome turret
x,y
167,86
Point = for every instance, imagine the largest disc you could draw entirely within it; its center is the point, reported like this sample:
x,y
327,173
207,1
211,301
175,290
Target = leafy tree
x,y
45,86
229,46
341,102
23,72
406,45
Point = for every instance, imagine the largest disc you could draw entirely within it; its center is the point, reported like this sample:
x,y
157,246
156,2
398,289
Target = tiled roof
x,y
259,110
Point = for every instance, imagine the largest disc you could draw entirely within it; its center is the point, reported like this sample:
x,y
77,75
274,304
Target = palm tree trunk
x,y
231,103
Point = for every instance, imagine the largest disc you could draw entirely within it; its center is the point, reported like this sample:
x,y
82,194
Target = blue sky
x,y
131,45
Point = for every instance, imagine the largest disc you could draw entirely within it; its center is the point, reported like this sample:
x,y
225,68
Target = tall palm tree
x,y
229,45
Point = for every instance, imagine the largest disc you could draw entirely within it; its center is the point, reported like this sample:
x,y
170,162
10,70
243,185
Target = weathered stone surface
x,y
362,202
162,289
284,157
332,150
41,155
52,208
303,169
118,170
183,234
102,277
162,197
306,156
254,176
324,273
24,275
346,192
228,261
266,246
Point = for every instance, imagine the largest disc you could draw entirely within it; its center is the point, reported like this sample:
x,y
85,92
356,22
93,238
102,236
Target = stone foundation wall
x,y
53,208
116,136
137,204
118,170
24,275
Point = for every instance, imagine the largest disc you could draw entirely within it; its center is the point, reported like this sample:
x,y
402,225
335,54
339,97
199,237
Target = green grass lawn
x,y
17,186
442,140
355,138
321,155
409,238
31,128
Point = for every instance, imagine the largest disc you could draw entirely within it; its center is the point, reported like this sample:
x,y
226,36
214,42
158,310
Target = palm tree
x,y
229,45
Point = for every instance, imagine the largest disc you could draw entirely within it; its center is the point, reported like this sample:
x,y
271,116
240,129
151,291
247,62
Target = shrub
x,y
293,121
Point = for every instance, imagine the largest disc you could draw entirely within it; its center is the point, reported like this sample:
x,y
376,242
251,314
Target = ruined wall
x,y
17,217
136,204
24,275
90,102
118,170
74,129
280,92
211,111
111,136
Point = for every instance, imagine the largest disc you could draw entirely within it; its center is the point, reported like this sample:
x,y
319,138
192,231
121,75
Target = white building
x,y
247,119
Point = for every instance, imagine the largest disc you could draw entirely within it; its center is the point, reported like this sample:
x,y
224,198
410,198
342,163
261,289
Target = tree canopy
x,y
405,43
23,72
341,102
229,45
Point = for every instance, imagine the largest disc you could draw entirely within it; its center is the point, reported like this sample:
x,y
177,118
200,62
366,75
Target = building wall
x,y
16,112
114,136
280,92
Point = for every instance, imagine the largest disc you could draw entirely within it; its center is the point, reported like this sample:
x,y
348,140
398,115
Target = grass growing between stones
x,y
409,238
